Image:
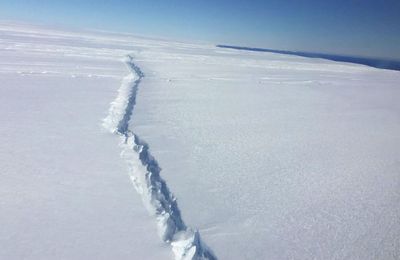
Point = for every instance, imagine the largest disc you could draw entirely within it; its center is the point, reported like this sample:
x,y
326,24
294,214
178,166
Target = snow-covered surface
x,y
64,191
269,156
274,156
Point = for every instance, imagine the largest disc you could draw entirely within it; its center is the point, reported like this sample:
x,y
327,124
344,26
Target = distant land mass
x,y
373,62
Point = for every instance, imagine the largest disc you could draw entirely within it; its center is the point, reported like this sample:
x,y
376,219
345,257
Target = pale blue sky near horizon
x,y
368,28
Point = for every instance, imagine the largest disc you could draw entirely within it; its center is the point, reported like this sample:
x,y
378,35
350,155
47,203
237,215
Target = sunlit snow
x,y
269,156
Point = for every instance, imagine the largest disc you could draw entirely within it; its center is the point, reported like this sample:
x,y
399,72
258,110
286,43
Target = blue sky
x,y
352,27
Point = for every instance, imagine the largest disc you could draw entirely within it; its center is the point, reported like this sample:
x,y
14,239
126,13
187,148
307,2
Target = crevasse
x,y
145,174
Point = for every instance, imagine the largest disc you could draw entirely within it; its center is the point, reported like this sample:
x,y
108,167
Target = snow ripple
x,y
145,174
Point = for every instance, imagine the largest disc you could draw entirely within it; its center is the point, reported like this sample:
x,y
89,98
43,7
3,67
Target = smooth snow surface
x,y
270,156
64,191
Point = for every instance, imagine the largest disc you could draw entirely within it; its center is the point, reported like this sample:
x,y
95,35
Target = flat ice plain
x,y
270,156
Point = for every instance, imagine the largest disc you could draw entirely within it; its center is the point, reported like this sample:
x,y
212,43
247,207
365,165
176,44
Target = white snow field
x,y
263,156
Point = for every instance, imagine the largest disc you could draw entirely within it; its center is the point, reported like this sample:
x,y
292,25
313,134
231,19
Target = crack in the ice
x,y
145,174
